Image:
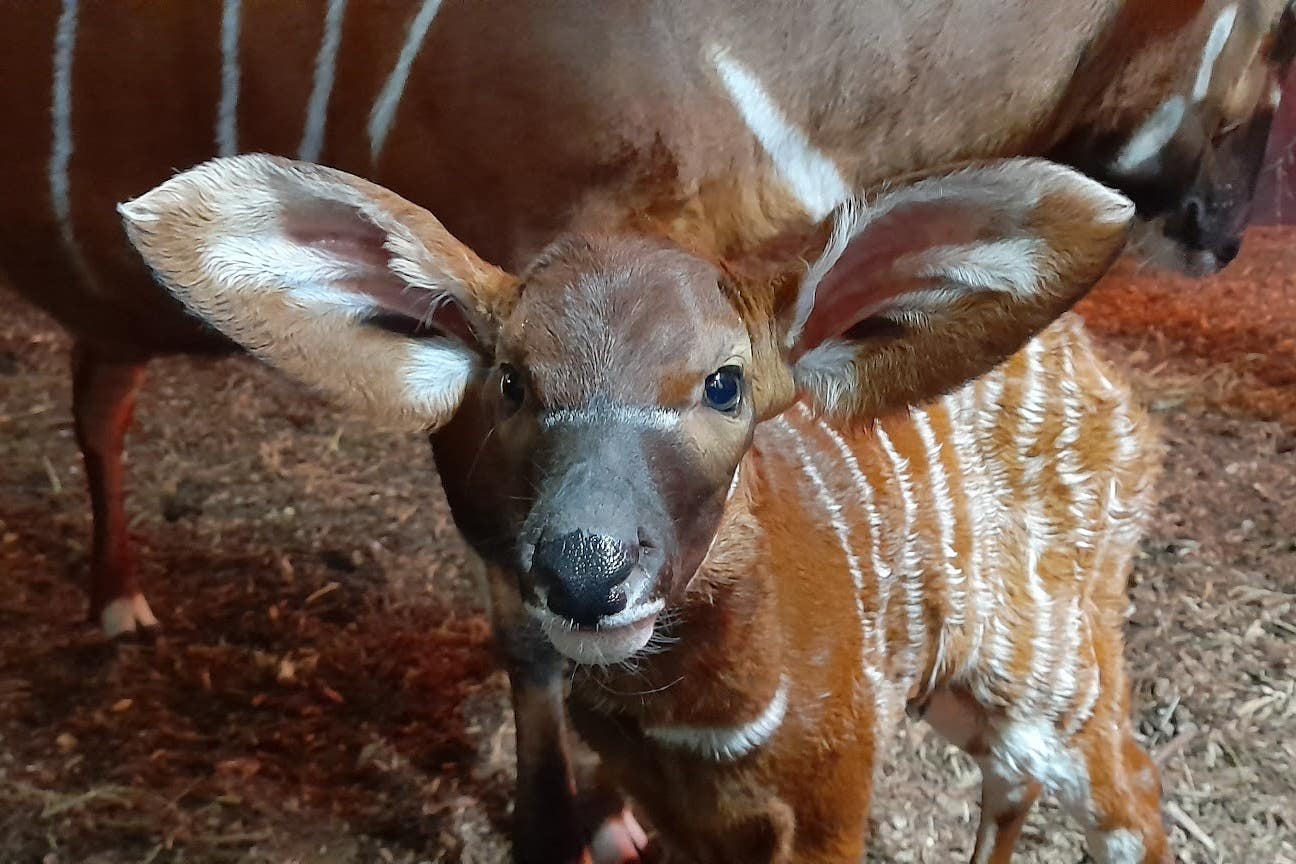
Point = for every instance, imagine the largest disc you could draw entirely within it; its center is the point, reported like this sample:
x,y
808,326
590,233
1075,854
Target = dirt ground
x,y
324,691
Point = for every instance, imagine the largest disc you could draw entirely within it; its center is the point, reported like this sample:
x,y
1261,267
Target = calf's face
x,y
619,378
595,410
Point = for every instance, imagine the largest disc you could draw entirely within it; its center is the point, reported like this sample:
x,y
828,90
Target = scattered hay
x,y
324,690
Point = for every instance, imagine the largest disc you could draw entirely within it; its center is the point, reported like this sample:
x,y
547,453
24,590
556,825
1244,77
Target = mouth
x,y
1151,246
613,639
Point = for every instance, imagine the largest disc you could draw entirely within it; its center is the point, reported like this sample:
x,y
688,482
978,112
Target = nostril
x,y
583,575
1193,221
1228,250
616,600
561,602
586,609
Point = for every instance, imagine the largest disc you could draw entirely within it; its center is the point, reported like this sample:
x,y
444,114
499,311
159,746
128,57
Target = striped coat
x,y
966,560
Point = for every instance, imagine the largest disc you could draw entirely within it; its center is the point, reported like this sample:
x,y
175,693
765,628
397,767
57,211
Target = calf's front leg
x,y
547,823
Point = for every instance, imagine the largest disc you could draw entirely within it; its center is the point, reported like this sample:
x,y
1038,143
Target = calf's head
x,y
1182,127
591,412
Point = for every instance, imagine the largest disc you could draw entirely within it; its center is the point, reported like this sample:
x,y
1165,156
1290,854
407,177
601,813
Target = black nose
x,y
1210,230
1228,250
583,575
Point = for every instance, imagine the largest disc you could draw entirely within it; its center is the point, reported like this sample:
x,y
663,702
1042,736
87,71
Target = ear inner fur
x,y
204,234
1010,247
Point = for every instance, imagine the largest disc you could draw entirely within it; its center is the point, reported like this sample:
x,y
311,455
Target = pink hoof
x,y
619,840
127,615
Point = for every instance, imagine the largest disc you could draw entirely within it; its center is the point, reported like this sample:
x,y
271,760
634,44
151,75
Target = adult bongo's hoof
x,y
128,617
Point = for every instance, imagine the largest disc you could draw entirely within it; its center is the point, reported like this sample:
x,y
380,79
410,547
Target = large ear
x,y
339,282
934,284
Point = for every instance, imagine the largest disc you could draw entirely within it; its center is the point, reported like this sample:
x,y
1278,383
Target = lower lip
x,y
603,646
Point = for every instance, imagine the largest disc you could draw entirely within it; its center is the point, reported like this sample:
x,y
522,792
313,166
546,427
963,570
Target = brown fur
x,y
882,91
758,586
705,185
570,138
773,596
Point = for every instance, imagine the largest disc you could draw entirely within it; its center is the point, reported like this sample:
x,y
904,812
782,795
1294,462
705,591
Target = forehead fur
x,y
633,319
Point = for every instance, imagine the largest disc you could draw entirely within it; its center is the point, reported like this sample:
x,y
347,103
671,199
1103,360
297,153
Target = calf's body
x,y
966,561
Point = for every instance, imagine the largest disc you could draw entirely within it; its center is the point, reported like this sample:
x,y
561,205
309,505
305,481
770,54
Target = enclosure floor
x,y
324,691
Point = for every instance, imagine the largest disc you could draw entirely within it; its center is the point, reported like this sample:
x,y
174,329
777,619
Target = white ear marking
x,y
1006,265
436,375
303,272
826,371
1152,137
257,249
849,221
808,172
1012,264
1221,30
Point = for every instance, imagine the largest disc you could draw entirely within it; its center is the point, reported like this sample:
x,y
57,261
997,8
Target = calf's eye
x,y
512,387
723,389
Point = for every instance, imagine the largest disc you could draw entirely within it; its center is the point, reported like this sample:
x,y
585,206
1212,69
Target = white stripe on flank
x,y
1063,677
971,473
943,504
312,142
881,570
1041,645
1221,30
1030,414
989,413
810,175
227,113
910,561
1088,697
882,574
726,743
1039,531
1070,466
1082,509
383,113
1116,516
61,146
833,508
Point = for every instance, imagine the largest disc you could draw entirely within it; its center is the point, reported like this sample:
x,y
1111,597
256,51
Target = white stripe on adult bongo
x,y
61,143
383,113
227,111
312,143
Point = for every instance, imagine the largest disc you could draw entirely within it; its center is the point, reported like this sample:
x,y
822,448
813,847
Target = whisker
x,y
481,449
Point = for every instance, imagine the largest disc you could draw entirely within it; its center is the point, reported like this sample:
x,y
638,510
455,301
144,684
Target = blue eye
x,y
723,388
